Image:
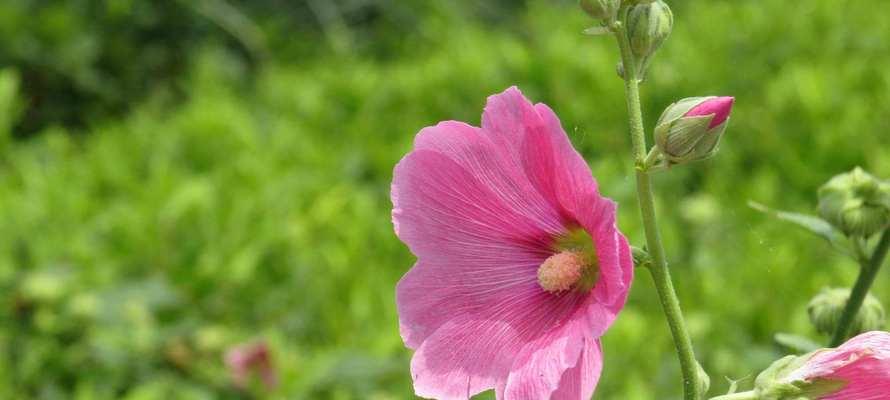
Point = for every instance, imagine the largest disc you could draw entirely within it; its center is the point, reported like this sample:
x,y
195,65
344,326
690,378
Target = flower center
x,y
573,266
560,271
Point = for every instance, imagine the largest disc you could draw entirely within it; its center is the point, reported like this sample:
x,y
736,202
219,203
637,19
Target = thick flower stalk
x,y
520,267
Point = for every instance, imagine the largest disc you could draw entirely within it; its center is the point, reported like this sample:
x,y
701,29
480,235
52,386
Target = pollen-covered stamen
x,y
573,265
561,271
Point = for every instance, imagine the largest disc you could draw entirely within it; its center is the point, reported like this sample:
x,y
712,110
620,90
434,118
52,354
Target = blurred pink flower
x,y
251,358
520,266
860,367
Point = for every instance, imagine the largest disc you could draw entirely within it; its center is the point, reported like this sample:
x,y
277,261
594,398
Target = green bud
x,y
600,9
648,26
774,382
690,129
826,308
856,203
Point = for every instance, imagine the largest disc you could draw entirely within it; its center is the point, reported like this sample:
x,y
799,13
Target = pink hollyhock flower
x,y
859,369
247,359
520,267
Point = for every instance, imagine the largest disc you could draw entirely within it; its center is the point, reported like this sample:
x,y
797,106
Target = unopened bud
x,y
856,203
857,369
600,9
826,308
690,129
648,26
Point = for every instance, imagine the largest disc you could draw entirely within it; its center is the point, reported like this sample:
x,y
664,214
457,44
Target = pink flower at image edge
x,y
861,365
520,266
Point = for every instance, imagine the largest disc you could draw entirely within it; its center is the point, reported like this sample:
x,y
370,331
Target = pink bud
x,y
720,107
252,358
860,368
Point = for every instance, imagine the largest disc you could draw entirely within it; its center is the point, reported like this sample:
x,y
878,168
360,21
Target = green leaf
x,y
798,344
814,224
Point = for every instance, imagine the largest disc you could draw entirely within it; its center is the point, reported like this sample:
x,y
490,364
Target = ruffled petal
x,y
863,362
463,358
468,335
579,382
476,252
539,368
534,140
867,379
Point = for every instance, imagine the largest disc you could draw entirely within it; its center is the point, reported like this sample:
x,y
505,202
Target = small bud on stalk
x,y
690,129
856,203
826,308
601,9
648,25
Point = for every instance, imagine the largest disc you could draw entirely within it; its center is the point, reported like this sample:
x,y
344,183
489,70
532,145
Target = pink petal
x,y
474,250
863,362
474,336
462,359
538,368
868,379
720,107
536,142
579,382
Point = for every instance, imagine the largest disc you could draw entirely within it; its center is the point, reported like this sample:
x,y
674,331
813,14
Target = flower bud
x,y
690,129
648,26
856,203
826,308
600,9
858,369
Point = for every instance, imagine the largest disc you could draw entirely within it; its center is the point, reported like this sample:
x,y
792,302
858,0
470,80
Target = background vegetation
x,y
178,177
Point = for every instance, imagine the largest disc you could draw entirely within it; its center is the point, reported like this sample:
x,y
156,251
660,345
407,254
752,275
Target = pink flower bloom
x,y
520,267
720,107
247,359
860,367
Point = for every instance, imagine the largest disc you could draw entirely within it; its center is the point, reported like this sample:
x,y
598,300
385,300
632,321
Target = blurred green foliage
x,y
231,182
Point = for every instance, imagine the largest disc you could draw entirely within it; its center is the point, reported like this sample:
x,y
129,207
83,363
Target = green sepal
x,y
772,383
682,137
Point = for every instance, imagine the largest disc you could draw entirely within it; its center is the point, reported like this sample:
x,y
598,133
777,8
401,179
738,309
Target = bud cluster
x,y
826,308
856,203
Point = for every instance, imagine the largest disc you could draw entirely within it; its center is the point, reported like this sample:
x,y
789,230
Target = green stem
x,y
867,273
659,269
737,396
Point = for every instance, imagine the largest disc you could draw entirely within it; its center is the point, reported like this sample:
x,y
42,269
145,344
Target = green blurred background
x,y
179,177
